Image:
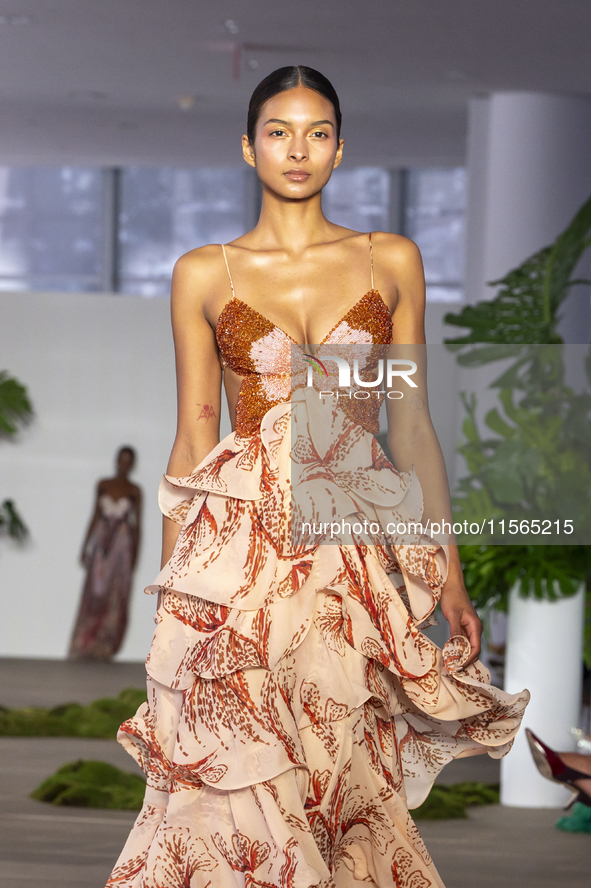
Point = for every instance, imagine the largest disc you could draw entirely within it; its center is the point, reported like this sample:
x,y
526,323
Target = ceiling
x,y
103,82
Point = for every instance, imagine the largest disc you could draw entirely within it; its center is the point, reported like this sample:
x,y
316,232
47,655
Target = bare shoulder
x,y
202,263
198,275
399,275
396,252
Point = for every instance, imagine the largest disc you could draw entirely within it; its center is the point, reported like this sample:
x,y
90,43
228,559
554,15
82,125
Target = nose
x,y
298,150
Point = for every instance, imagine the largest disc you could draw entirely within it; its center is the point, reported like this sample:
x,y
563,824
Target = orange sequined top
x,y
261,352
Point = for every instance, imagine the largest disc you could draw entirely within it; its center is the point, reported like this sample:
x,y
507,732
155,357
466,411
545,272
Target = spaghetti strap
x,y
228,268
370,260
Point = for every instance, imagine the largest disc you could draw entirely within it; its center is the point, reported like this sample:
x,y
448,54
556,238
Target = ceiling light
x,y
186,103
231,26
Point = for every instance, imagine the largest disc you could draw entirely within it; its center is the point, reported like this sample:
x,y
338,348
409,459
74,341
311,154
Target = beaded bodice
x,y
261,352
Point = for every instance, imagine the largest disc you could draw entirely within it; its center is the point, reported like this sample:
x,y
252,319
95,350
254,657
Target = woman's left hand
x,y
461,615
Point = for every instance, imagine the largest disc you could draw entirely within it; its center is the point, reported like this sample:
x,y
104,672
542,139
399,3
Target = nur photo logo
x,y
386,369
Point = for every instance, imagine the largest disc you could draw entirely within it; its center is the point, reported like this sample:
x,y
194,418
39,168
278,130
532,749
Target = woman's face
x,y
295,148
125,461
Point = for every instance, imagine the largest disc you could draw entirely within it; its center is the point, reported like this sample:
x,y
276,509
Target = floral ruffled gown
x,y
296,711
104,606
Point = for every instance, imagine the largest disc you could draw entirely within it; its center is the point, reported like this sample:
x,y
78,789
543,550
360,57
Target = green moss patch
x,y
90,784
100,719
450,802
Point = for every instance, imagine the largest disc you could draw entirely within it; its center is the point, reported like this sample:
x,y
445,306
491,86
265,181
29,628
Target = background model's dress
x,y
102,615
295,708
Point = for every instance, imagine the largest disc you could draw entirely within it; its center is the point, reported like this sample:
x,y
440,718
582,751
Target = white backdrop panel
x,y
100,372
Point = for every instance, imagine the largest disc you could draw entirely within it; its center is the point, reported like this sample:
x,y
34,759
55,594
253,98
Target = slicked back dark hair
x,y
288,78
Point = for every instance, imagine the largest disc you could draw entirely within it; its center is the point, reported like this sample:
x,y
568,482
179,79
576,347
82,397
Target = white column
x,y
529,172
544,654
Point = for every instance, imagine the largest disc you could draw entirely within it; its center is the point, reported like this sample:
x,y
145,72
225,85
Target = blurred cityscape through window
x,y
434,217
50,228
121,230
358,198
164,213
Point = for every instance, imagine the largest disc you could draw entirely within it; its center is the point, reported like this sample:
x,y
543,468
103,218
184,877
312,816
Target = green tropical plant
x,y
15,410
525,310
537,461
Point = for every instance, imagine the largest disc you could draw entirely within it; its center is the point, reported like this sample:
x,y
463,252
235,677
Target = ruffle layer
x,y
296,710
342,826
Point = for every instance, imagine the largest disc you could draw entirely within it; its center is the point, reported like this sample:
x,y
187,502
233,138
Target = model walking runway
x,y
296,708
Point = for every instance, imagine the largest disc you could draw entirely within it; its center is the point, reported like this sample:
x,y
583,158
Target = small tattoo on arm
x,y
207,412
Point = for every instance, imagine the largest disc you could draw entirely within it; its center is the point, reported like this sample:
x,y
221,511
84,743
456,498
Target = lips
x,y
297,175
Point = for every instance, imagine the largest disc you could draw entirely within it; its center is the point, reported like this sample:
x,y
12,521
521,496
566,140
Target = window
x,y
358,198
427,205
50,228
79,229
434,209
166,212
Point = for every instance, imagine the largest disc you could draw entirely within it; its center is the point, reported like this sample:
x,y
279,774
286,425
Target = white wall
x,y
99,370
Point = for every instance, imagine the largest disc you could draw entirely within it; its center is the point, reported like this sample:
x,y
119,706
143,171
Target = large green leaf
x,y
514,316
497,424
564,256
11,522
525,310
15,409
15,406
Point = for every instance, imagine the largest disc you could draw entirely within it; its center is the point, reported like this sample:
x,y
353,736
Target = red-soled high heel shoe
x,y
551,766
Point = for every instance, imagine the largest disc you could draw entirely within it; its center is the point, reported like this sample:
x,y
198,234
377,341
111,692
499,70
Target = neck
x,y
291,225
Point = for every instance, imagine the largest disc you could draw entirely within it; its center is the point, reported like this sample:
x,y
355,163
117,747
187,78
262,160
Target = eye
x,y
277,132
320,133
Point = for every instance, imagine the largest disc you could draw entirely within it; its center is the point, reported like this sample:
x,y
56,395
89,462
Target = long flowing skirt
x,y
101,621
296,709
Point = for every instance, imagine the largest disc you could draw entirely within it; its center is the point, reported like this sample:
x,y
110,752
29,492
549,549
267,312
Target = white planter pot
x,y
544,655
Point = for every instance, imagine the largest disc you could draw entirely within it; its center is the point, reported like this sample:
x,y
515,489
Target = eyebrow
x,y
286,123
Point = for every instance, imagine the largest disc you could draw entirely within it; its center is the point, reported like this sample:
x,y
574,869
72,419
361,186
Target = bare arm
x,y
137,529
198,375
412,438
91,524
